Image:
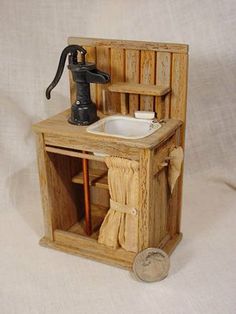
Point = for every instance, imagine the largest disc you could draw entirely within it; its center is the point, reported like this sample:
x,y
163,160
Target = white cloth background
x,y
202,278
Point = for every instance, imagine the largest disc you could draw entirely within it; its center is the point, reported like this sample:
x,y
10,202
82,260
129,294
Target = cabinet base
x,y
77,245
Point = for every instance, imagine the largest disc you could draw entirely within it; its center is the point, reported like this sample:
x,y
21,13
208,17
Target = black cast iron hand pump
x,y
83,111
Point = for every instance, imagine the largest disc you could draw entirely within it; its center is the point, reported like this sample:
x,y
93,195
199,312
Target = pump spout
x,y
97,76
72,49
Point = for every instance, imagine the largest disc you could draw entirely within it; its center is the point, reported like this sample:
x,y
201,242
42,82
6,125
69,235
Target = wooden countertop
x,y
58,125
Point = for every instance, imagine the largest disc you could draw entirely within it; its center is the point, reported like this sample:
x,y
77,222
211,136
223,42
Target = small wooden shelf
x,y
97,177
98,213
140,89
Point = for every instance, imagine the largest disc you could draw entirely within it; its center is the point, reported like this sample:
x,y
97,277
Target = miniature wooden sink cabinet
x,y
144,76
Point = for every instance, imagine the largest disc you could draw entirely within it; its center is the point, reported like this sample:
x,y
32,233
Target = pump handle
x,y
72,49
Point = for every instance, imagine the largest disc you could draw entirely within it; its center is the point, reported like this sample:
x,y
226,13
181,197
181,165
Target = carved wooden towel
x,y
139,62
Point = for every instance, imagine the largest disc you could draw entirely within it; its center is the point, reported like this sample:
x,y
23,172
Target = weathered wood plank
x,y
145,199
163,68
179,86
93,249
124,104
117,74
44,187
130,44
103,64
132,75
178,111
91,57
147,76
92,146
140,89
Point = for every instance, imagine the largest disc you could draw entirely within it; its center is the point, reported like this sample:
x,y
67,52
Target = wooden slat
x,y
103,64
117,75
124,104
178,111
91,57
91,248
162,196
173,210
145,199
147,76
129,44
159,184
163,68
179,86
44,187
67,152
140,89
132,75
175,199
180,182
96,144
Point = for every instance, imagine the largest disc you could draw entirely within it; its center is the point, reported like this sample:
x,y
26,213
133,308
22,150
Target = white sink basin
x,y
123,127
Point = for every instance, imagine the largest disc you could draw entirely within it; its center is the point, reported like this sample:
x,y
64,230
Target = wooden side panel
x,y
175,199
178,111
179,141
132,75
44,187
145,199
147,68
103,64
63,196
91,57
161,195
117,74
163,69
59,197
160,208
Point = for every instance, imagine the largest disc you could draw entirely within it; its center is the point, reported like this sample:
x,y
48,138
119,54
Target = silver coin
x,y
151,264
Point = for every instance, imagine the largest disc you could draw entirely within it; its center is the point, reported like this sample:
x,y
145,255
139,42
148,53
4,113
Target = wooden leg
x,y
88,226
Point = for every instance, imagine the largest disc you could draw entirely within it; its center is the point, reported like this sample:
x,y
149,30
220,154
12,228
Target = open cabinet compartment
x,y
67,195
63,204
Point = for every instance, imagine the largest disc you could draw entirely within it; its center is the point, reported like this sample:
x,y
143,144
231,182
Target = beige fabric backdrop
x,y
203,277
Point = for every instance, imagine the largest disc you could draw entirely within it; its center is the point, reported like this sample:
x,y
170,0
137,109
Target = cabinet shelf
x,y
141,89
97,178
